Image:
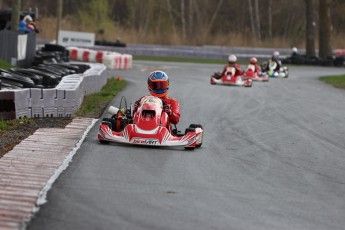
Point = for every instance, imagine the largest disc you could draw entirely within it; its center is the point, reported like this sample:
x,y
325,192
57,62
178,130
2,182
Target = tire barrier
x,y
112,60
62,101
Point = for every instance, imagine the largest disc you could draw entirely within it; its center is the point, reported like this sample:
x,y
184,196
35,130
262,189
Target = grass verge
x,y
176,59
337,81
5,65
7,125
94,104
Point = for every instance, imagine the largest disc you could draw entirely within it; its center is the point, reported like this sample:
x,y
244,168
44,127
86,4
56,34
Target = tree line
x,y
197,22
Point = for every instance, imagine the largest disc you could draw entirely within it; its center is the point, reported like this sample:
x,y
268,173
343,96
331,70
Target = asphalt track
x,y
273,157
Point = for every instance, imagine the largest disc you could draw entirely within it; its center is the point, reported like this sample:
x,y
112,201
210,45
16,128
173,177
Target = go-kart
x,y
229,78
149,125
250,73
270,68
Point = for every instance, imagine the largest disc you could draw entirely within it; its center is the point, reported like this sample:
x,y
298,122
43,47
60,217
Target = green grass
x,y
94,104
176,59
5,65
6,125
336,81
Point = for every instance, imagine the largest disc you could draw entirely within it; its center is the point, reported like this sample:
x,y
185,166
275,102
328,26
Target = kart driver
x,y
158,84
232,63
254,62
276,59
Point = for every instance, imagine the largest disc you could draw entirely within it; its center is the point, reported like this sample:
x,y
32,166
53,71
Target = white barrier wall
x,y
62,101
112,60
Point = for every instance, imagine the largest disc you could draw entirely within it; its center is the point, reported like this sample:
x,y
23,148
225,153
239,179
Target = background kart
x,y
271,72
149,125
251,74
230,79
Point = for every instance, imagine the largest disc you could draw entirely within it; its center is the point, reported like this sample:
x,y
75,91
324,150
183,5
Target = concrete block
x,y
37,112
23,113
50,112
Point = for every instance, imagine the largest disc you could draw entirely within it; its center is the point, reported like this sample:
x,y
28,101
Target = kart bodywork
x,y
251,74
270,67
149,125
229,78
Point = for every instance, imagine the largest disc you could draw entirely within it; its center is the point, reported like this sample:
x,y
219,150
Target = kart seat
x,y
148,113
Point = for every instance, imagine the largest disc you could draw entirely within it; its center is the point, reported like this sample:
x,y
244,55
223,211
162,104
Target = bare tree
x,y
215,13
15,14
59,10
183,20
269,12
251,16
257,19
171,15
310,28
190,18
325,48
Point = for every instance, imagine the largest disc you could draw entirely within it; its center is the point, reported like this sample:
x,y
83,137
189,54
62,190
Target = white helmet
x,y
276,53
295,50
232,58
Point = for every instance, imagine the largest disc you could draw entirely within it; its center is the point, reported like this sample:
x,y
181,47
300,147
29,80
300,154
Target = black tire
x,y
189,148
189,130
108,122
195,126
104,142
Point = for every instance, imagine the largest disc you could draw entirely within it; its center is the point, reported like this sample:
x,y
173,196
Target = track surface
x,y
273,158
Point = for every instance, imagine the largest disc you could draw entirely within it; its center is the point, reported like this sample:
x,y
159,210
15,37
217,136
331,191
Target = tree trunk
x,y
190,18
251,16
171,16
15,15
210,24
183,20
269,9
257,17
59,9
325,48
310,28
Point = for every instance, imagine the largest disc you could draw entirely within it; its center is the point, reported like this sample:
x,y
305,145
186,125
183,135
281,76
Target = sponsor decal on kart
x,y
143,141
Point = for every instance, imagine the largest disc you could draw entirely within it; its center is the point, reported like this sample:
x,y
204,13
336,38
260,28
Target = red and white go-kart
x,y
250,73
149,125
229,78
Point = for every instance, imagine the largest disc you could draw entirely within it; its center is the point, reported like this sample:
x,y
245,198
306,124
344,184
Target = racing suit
x,y
171,107
257,69
278,61
236,66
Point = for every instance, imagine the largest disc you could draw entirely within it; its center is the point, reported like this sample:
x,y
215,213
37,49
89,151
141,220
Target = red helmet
x,y
253,60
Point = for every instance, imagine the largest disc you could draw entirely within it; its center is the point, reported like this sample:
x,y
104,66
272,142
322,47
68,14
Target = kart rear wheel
x,y
110,122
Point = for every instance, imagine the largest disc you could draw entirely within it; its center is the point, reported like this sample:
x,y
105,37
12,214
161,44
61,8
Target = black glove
x,y
167,109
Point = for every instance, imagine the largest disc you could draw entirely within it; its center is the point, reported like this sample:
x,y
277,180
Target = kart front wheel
x,y
195,126
104,142
188,130
189,148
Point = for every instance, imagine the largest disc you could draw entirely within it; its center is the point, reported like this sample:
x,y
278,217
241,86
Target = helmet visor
x,y
157,85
